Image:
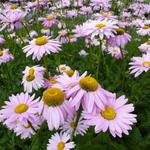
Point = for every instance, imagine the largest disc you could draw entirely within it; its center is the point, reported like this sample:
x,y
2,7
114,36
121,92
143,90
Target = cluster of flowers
x,y
71,102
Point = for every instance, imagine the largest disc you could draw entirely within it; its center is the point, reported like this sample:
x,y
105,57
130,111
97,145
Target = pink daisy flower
x,y
26,130
12,19
70,125
5,56
20,109
40,46
49,21
144,30
140,64
121,38
54,107
33,78
145,47
102,28
60,142
115,52
115,116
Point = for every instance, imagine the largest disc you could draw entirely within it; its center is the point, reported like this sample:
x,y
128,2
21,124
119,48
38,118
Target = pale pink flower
x,y
41,46
54,107
33,78
140,64
115,116
5,56
20,108
60,142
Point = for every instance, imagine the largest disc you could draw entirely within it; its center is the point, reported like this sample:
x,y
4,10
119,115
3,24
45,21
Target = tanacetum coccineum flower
x,y
33,78
60,142
115,116
41,46
20,109
140,64
54,107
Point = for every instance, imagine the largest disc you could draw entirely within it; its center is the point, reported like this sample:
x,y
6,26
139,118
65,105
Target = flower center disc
x,y
88,84
105,14
109,113
53,97
146,63
1,53
13,7
49,18
52,80
100,25
70,73
120,31
21,108
145,27
41,41
30,76
61,145
148,42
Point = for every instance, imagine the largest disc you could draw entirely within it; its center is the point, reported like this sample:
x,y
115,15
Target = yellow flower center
x,y
1,53
148,42
145,27
27,126
21,108
120,31
105,14
63,68
100,25
49,18
31,76
41,41
53,97
61,145
88,83
70,73
109,113
70,36
52,80
146,63
13,6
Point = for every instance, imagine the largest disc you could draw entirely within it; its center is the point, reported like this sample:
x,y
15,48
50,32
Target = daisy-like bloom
x,y
115,52
40,46
12,19
140,64
100,4
121,38
50,82
5,56
144,30
145,47
101,28
60,142
63,68
54,107
72,13
105,15
49,21
83,90
70,125
20,108
33,78
26,130
115,115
